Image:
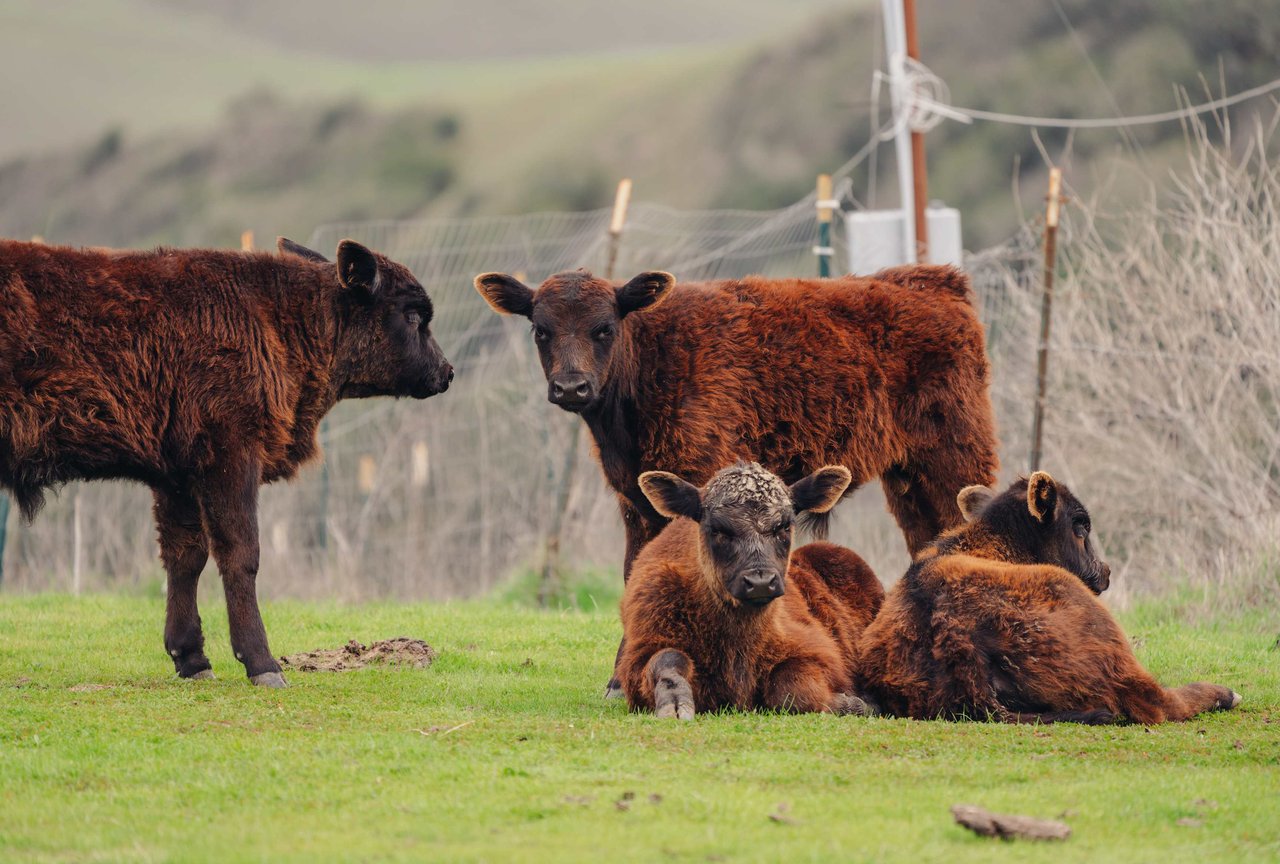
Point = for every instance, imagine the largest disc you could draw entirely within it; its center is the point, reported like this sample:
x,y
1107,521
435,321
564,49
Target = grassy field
x,y
504,751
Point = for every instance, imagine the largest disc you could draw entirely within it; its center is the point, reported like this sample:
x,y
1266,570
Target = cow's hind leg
x,y
184,551
229,504
922,492
668,674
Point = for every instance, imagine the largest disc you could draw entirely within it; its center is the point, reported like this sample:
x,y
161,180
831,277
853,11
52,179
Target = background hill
x,y
142,122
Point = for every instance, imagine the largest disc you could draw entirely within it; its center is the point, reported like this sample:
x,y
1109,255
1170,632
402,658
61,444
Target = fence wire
x,y
451,496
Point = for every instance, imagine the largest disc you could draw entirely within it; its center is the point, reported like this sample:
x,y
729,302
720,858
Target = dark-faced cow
x,y
887,376
999,619
719,612
202,374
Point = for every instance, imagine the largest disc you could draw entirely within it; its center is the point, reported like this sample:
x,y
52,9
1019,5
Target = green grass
x,y
503,751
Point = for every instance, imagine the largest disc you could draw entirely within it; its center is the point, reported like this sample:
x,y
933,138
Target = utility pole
x,y
918,168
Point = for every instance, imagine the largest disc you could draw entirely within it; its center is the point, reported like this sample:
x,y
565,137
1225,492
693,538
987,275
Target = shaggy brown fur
x,y
202,374
998,619
886,376
694,641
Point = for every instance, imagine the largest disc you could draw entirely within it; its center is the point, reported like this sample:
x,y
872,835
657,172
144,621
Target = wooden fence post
x,y
1046,309
550,577
825,209
246,240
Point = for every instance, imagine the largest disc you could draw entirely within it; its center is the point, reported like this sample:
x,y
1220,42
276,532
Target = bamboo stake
x,y
1046,312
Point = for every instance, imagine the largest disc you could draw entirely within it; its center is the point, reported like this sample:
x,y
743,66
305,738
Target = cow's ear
x,y
821,490
647,289
288,247
671,496
358,269
1042,497
505,294
972,500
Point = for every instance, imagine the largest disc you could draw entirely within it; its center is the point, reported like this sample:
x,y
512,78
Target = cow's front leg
x,y
229,502
667,677
800,685
184,551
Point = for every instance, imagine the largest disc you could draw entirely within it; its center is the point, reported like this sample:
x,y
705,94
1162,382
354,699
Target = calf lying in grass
x,y
718,613
998,619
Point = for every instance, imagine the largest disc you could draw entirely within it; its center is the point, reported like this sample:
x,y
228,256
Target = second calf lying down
x,y
998,619
719,612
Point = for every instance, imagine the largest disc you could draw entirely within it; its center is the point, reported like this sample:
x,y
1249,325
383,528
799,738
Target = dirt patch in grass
x,y
400,651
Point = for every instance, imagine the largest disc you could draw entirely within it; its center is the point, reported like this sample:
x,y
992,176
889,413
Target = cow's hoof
x,y
850,705
679,710
202,675
269,679
613,690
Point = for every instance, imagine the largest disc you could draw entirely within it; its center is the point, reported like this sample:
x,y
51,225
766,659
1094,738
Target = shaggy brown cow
x,y
715,615
202,374
998,619
887,376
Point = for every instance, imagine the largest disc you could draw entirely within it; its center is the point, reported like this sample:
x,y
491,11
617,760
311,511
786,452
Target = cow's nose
x,y
570,390
763,584
450,378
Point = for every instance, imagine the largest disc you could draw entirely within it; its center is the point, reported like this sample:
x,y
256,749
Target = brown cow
x,y
202,374
998,619
718,611
887,376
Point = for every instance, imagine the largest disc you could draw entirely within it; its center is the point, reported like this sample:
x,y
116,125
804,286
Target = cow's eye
x,y
414,318
719,535
782,531
541,334
603,334
1080,527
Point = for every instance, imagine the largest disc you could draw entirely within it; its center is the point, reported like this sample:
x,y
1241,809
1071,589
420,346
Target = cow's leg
x,y
668,679
639,531
800,685
184,551
1142,700
229,503
922,495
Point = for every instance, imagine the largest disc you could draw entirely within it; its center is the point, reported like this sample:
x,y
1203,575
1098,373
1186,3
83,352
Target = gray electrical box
x,y
875,238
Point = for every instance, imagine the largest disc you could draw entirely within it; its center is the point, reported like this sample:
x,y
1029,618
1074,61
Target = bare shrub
x,y
1164,398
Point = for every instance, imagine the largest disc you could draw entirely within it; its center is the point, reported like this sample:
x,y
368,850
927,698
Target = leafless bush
x,y
1164,396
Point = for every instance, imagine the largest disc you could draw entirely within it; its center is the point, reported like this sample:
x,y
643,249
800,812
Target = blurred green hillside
x,y
141,122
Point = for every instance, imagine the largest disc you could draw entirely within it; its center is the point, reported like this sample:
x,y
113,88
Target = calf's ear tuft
x,y
287,247
505,294
671,496
647,289
821,490
357,268
972,500
1042,497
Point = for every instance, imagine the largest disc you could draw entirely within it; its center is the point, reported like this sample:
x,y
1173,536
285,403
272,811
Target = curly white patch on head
x,y
746,483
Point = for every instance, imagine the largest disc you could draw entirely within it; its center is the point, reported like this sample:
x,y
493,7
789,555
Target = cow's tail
x,y
928,277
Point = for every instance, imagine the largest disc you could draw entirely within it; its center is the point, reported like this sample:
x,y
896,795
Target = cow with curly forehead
x,y
719,612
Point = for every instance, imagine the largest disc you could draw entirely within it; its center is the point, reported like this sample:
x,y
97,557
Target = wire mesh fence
x,y
1164,408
